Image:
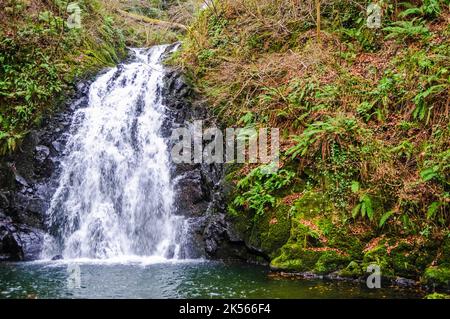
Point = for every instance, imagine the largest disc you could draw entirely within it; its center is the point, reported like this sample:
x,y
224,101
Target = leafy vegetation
x,y
258,187
42,53
364,115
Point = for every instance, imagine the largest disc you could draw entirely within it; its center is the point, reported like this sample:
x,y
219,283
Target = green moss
x,y
403,264
436,295
410,261
296,256
338,236
330,261
277,231
293,257
445,256
312,204
303,234
269,232
353,270
378,256
437,276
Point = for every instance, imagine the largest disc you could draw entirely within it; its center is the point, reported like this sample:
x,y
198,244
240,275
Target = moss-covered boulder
x,y
330,261
410,260
312,204
437,276
294,257
268,233
378,255
306,250
353,270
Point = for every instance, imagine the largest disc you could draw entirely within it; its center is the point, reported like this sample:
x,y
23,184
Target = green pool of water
x,y
166,279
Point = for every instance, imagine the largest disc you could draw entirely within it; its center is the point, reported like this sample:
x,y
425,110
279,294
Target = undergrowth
x,y
364,113
42,54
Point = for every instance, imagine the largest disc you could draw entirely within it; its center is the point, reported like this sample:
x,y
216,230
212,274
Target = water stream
x,y
115,195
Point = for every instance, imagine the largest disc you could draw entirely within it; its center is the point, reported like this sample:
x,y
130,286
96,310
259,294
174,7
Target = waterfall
x,y
115,195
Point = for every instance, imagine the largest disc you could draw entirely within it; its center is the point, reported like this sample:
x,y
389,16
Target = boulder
x,y
19,242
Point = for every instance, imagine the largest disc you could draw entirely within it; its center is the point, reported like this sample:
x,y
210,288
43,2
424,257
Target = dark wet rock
x,y
224,242
25,182
19,242
31,240
214,233
201,190
28,209
83,88
57,146
404,282
58,257
22,181
9,248
42,152
193,194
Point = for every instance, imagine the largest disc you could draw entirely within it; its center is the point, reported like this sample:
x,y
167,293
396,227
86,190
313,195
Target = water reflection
x,y
166,279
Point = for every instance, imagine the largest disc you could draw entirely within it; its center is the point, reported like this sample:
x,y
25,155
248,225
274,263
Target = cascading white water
x,y
115,195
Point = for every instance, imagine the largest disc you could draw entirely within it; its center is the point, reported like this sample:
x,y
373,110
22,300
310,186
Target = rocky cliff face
x,y
201,189
26,183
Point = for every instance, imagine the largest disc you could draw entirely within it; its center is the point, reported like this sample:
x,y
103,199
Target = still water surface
x,y
150,278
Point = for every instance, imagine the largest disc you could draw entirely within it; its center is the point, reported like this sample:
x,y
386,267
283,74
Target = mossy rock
x,y
312,204
445,256
436,295
437,276
338,237
403,259
353,270
294,257
403,264
379,256
277,232
301,233
268,232
330,261
409,260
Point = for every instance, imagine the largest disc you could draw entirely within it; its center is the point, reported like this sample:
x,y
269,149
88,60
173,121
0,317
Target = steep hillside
x,y
46,46
364,116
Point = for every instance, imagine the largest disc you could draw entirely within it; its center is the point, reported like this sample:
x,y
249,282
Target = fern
x,y
331,130
429,173
422,110
364,206
404,149
258,188
429,9
385,217
407,30
433,209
